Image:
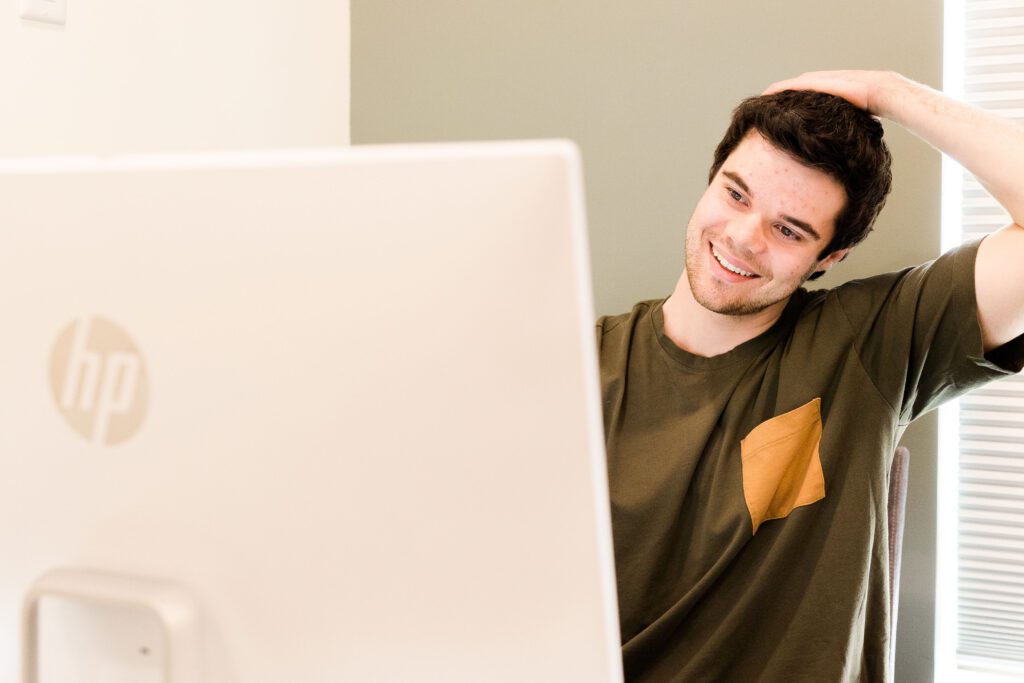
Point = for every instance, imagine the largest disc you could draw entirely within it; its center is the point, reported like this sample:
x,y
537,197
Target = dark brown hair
x,y
827,133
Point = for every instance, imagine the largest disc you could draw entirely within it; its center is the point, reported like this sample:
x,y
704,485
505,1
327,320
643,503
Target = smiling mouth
x,y
730,267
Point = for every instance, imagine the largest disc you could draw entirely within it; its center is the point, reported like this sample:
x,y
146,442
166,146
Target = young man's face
x,y
766,216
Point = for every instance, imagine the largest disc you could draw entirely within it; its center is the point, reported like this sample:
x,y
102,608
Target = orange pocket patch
x,y
781,464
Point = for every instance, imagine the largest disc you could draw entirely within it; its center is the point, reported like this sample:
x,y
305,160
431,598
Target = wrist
x,y
887,94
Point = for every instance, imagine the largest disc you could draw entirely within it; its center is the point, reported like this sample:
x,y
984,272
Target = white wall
x,y
128,76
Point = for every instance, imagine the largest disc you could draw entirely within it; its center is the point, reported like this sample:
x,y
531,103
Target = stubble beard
x,y
742,307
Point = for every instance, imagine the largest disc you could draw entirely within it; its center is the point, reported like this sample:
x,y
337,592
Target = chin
x,y
737,309
739,306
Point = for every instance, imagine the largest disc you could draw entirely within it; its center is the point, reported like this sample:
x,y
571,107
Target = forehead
x,y
780,183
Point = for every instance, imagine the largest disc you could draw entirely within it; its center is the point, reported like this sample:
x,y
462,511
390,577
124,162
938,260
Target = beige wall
x,y
645,89
127,76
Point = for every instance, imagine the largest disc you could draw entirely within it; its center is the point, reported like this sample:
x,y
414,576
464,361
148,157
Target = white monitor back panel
x,y
347,399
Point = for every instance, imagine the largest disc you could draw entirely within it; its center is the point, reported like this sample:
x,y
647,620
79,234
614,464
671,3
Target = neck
x,y
706,333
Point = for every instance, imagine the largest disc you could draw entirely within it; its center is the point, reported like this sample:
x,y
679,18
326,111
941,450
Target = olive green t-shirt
x,y
749,489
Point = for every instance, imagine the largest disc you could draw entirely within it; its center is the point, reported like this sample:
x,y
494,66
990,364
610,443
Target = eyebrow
x,y
803,225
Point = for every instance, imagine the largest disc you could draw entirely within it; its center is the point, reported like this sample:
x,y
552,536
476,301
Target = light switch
x,y
49,11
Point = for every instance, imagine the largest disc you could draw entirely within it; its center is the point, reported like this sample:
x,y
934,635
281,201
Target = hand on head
x,y
857,87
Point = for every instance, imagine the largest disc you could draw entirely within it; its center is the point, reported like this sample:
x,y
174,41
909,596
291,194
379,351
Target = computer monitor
x,y
320,415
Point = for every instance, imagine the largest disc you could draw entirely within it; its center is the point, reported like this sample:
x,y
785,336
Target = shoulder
x,y
624,322
937,283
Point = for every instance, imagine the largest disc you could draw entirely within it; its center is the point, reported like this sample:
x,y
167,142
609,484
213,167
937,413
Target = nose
x,y
746,234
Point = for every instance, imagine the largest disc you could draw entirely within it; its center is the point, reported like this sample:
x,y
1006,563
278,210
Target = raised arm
x,y
990,147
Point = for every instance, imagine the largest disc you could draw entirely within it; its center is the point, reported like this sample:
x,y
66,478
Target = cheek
x,y
707,215
707,205
795,267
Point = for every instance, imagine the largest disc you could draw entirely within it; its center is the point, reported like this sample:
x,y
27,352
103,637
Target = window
x,y
981,477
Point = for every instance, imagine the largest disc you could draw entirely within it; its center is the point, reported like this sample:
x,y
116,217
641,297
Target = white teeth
x,y
729,266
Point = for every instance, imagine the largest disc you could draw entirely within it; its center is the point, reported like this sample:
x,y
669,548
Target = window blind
x,y
990,543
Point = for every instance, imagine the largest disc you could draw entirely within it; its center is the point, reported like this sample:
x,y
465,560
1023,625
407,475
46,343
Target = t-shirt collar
x,y
742,352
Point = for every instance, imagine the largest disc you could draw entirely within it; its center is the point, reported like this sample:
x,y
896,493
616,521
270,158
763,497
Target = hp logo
x,y
98,381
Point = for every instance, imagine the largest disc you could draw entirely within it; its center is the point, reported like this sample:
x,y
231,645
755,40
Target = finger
x,y
843,73
853,91
779,86
810,80
805,82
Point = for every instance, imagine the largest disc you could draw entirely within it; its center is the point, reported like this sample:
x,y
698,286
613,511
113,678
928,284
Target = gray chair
x,y
898,477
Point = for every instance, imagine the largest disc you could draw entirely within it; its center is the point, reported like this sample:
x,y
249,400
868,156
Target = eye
x,y
736,196
787,233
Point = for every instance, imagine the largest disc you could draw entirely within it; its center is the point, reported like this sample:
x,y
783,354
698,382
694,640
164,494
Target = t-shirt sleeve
x,y
918,336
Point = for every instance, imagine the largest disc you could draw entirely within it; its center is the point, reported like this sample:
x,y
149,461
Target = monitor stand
x,y
83,625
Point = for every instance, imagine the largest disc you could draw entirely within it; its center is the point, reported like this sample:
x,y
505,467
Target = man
x,y
750,424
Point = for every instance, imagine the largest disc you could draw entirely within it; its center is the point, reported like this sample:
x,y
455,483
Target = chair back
x,y
898,478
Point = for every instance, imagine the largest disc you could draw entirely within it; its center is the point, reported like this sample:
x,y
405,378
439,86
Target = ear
x,y
833,258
